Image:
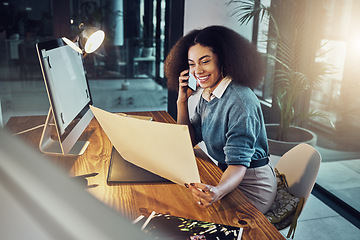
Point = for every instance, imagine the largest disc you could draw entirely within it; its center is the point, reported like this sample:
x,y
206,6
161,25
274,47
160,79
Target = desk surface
x,y
132,200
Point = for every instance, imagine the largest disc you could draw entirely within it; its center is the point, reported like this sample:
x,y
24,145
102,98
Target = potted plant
x,y
292,49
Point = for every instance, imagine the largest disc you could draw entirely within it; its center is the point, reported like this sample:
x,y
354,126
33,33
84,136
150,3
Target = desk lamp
x,y
90,39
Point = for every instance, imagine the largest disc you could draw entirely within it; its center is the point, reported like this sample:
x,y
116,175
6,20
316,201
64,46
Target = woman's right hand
x,y
184,91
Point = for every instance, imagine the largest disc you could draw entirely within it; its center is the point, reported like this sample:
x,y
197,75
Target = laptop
x,y
122,171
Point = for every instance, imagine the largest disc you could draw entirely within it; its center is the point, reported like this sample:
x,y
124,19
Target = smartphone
x,y
192,82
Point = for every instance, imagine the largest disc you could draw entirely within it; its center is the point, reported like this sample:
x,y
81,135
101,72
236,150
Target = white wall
x,y
202,13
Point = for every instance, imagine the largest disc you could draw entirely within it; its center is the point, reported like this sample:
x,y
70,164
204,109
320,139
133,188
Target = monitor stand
x,y
70,145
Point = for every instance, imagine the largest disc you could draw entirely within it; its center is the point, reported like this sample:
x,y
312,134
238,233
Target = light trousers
x,y
259,185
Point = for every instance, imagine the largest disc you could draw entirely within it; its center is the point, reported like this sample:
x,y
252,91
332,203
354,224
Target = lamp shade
x,y
91,38
72,45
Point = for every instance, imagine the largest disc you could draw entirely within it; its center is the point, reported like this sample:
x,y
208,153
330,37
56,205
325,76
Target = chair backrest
x,y
300,166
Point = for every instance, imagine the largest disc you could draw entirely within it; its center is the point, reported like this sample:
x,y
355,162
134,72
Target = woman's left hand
x,y
203,194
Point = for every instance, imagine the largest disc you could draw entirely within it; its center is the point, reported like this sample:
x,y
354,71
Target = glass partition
x,y
338,97
125,74
333,29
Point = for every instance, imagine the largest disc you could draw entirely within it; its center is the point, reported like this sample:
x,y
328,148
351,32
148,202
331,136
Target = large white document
x,y
161,148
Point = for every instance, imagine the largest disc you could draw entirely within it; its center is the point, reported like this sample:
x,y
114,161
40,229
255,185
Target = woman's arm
x,y
206,195
182,104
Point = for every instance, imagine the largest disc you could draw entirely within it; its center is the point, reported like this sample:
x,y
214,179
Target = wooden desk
x,y
132,200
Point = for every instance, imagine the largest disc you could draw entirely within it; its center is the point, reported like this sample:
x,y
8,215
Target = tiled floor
x,y
342,178
317,221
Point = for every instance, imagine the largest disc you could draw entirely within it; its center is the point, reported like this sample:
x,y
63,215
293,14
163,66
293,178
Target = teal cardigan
x,y
232,127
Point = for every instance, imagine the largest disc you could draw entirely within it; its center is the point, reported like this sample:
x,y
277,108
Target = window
x,y
333,27
338,97
125,74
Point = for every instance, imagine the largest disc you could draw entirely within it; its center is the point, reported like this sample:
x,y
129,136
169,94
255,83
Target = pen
x,y
87,175
147,220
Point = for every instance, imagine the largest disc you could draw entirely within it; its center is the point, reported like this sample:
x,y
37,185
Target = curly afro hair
x,y
238,57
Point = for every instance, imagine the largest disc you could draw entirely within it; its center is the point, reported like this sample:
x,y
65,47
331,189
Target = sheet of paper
x,y
162,148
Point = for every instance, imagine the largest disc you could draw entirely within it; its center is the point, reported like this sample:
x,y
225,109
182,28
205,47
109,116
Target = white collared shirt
x,y
220,89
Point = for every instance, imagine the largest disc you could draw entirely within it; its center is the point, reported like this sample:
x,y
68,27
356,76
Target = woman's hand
x,y
184,90
204,195
182,104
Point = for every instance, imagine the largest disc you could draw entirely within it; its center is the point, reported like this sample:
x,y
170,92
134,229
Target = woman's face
x,y
204,65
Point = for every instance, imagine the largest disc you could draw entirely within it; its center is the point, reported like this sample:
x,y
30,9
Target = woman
x,y
228,117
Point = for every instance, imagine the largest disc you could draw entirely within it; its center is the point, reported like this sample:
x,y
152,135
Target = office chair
x,y
300,166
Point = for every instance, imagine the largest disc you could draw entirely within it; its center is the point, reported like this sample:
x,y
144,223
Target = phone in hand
x,y
192,82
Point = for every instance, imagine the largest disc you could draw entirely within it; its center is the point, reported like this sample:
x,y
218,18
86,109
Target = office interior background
x,y
126,73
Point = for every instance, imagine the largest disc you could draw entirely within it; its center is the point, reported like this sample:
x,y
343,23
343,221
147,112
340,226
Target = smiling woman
x,y
228,117
204,65
238,58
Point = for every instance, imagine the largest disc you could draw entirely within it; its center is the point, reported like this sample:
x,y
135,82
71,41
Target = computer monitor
x,y
69,95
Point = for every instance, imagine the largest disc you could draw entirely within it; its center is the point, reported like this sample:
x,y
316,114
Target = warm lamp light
x,y
90,40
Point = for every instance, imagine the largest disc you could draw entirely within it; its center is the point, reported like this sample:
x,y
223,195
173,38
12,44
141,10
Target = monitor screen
x,y
66,85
